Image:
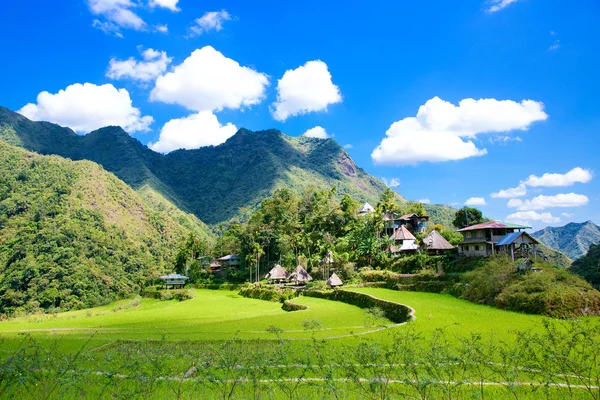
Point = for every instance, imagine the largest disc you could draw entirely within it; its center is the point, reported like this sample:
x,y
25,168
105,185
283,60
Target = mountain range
x,y
215,183
573,239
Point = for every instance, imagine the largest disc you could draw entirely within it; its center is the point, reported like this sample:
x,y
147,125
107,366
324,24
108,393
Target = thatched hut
x,y
278,273
334,281
300,275
404,240
434,243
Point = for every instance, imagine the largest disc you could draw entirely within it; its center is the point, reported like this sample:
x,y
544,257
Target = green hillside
x,y
588,266
573,239
73,235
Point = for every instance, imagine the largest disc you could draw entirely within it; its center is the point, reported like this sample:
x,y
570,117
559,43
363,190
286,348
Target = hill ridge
x,y
574,239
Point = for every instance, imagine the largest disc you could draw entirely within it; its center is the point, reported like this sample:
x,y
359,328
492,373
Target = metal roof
x,y
228,257
174,276
511,237
493,225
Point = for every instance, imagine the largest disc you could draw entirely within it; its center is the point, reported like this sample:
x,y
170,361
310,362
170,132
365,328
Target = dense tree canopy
x,y
467,216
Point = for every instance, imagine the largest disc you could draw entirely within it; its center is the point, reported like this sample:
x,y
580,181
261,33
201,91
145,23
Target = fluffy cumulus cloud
x,y
86,107
541,202
207,80
576,175
305,89
154,63
317,132
475,201
210,21
196,130
170,4
510,193
392,183
439,130
497,5
528,216
117,14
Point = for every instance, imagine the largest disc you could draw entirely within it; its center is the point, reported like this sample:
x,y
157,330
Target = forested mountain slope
x,y
573,239
73,235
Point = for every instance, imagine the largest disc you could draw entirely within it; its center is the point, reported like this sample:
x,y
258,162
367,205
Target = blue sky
x,y
361,72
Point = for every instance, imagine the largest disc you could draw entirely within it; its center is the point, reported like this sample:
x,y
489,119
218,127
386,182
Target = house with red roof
x,y
482,239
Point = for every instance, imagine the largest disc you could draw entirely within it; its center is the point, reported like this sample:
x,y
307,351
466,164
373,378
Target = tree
x,y
414,207
466,217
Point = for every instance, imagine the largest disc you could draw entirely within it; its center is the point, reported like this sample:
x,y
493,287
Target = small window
x,y
476,248
468,235
479,234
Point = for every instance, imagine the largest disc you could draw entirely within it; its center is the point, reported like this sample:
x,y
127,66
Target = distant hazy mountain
x,y
216,183
573,239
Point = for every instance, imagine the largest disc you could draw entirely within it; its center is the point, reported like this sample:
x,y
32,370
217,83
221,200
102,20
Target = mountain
x,y
588,266
216,183
73,235
573,239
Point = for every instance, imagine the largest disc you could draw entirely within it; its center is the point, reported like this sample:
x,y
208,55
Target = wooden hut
x,y
300,275
174,280
404,240
436,243
334,281
278,273
518,245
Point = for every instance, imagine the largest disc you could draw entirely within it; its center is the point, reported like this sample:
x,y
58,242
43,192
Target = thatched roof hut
x,y
300,275
278,273
334,281
434,242
402,234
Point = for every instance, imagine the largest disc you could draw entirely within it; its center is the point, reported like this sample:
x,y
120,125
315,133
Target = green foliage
x,y
440,214
74,236
467,216
589,266
551,291
393,311
289,305
156,292
268,293
573,239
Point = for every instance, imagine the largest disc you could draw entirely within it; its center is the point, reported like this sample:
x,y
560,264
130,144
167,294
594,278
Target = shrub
x,y
268,293
154,292
288,305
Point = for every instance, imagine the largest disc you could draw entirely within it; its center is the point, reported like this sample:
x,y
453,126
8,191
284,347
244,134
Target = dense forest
x,y
588,266
73,235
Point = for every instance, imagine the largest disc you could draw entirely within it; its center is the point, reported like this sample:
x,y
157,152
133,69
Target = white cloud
x,y
424,201
554,46
317,132
170,4
392,183
196,130
576,175
107,27
212,20
475,201
207,80
510,193
305,89
498,5
154,64
436,133
86,107
348,146
541,202
118,14
567,215
161,28
504,139
526,216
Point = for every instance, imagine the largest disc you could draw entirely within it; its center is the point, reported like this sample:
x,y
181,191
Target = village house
x,y
489,238
229,260
404,241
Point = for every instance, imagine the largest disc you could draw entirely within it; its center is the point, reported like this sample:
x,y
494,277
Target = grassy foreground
x,y
221,345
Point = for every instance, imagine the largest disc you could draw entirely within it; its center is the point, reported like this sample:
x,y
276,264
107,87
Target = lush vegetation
x,y
572,239
589,266
73,235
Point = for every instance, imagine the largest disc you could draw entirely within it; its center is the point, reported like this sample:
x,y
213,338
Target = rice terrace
x,y
227,199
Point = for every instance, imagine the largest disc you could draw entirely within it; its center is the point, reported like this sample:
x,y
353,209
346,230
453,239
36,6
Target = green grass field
x,y
220,343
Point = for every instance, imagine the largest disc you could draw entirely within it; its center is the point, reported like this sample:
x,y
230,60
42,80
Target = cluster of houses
x,y
299,276
480,240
